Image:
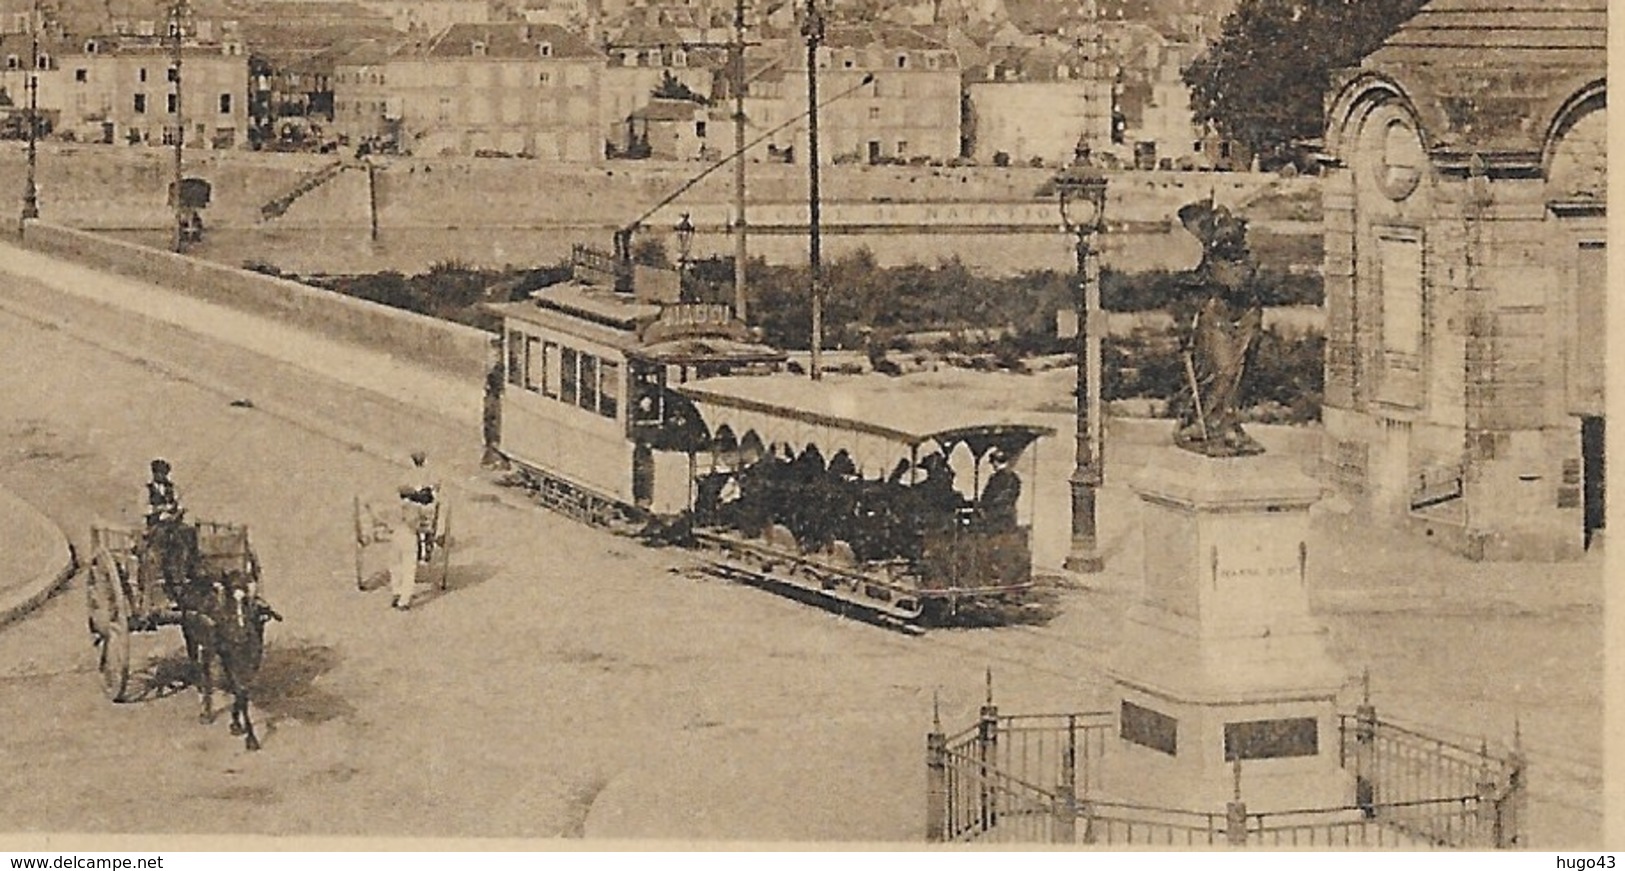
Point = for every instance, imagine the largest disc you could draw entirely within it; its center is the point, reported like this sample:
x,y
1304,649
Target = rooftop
x,y
510,41
658,109
1488,76
770,403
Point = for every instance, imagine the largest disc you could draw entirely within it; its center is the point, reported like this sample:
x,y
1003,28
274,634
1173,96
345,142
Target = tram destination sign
x,y
691,319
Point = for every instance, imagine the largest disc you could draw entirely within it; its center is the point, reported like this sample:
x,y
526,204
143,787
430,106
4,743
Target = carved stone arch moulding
x,y
1574,155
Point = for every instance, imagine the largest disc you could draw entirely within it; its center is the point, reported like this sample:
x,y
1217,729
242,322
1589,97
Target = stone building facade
x,y
517,89
910,109
1465,285
121,88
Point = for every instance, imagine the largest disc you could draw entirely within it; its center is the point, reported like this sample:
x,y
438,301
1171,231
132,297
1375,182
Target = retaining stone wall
x,y
455,349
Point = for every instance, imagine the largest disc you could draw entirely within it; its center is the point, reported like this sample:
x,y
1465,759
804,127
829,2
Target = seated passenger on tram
x,y
996,508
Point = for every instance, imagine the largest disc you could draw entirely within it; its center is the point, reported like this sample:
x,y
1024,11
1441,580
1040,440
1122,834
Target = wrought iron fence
x,y
1034,778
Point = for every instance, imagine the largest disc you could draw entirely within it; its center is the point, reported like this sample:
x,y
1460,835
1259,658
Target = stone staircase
x,y
278,207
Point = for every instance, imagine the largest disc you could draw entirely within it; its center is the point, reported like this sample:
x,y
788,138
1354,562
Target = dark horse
x,y
223,618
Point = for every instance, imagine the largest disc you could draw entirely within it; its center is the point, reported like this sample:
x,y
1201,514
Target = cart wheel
x,y
443,545
110,626
360,545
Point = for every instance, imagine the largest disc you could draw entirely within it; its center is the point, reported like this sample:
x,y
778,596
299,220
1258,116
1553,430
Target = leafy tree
x,y
1262,82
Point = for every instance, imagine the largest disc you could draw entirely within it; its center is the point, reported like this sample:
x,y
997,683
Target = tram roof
x,y
616,323
885,414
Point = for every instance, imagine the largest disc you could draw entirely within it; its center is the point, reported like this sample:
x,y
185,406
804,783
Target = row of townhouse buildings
x,y
123,89
526,77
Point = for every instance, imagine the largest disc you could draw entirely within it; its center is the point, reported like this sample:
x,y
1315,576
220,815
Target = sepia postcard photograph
x,y
585,424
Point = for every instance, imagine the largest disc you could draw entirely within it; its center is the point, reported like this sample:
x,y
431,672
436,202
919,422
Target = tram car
x,y
588,416
636,410
907,511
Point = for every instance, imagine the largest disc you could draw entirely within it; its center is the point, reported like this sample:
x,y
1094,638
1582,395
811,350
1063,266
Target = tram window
x,y
609,393
552,369
589,382
648,383
516,358
534,361
567,376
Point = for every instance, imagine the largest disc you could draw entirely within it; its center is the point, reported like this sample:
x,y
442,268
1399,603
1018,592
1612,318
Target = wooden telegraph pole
x,y
737,49
813,30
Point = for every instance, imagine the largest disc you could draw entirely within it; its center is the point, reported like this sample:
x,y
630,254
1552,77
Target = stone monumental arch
x,y
1222,675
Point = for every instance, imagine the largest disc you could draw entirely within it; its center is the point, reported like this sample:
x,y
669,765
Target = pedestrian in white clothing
x,y
417,497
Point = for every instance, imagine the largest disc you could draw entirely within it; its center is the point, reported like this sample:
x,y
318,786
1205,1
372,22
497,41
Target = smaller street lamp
x,y
685,244
31,187
1081,191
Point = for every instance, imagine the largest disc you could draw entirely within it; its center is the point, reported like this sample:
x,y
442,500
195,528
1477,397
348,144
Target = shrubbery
x,y
860,297
997,321
449,290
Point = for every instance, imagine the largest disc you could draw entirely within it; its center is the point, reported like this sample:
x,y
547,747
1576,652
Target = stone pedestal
x,y
1220,656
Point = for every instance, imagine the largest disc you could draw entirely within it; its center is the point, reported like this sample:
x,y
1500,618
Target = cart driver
x,y
162,503
165,553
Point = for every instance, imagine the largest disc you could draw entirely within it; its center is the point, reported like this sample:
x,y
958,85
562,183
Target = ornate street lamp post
x,y
31,188
685,243
1082,194
177,21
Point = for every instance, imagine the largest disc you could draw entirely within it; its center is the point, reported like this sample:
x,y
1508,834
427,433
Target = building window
x,y
225,104
140,104
12,63
170,103
1196,147
81,75
42,62
544,78
141,74
874,113
477,49
699,129
172,74
902,61
902,147
545,49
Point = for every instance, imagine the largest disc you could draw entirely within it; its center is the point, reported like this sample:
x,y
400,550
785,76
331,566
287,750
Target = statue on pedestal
x,y
1221,337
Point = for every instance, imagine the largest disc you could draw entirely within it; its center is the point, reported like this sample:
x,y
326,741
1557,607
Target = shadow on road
x,y
286,687
458,577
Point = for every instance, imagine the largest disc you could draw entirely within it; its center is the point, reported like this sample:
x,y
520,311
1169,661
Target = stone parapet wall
x,y
111,186
455,349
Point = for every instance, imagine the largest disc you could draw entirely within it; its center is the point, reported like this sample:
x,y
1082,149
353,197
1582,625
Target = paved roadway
x,y
568,675
562,662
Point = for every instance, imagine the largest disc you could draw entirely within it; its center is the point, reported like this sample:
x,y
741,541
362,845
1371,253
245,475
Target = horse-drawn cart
x,y
376,528
126,593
